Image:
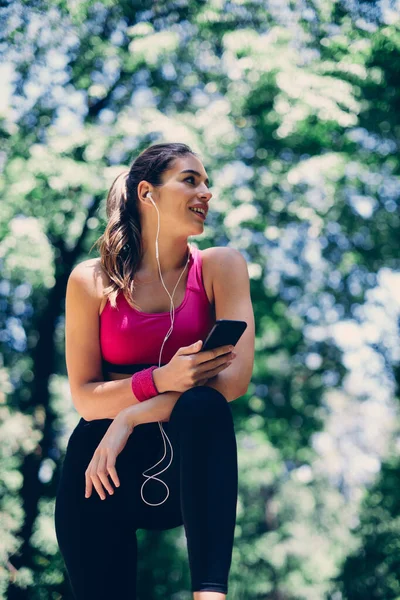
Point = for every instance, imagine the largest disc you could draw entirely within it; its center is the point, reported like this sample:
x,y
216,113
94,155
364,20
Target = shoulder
x,y
89,275
225,265
223,257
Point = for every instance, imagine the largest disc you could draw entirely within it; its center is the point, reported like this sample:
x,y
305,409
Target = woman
x,y
117,319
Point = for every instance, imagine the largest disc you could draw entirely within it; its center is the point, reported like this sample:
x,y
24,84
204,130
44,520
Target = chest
x,y
152,297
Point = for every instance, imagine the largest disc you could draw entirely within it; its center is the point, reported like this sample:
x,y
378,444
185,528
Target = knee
x,y
201,401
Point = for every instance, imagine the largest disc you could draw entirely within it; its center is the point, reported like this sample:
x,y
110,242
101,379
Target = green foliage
x,y
294,112
372,570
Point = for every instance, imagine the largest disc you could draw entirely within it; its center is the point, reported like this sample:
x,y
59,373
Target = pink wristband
x,y
142,384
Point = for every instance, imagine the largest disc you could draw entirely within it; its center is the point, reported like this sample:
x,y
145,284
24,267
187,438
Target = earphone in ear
x,y
154,204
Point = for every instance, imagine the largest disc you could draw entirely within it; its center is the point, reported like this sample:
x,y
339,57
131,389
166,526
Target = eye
x,y
193,179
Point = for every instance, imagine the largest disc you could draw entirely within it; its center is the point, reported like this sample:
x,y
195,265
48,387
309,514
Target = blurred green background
x,y
294,108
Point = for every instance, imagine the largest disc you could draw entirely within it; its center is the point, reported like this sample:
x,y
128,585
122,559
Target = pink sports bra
x,y
132,339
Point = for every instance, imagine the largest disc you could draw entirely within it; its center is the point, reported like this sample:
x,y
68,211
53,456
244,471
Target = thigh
x,y
189,417
145,447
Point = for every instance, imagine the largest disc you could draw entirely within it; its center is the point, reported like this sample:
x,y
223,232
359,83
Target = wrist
x,y
143,384
159,378
125,417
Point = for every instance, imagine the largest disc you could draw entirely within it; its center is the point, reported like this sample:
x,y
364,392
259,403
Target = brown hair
x,y
120,245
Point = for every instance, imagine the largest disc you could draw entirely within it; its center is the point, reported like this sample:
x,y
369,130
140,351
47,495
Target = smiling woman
x,y
117,317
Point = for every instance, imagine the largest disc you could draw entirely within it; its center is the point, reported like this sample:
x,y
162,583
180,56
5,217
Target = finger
x,y
88,483
207,355
221,355
102,472
228,348
217,370
210,375
94,477
219,351
223,350
222,360
112,470
97,485
202,370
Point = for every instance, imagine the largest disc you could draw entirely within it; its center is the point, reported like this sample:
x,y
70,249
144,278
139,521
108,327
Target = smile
x,y
198,214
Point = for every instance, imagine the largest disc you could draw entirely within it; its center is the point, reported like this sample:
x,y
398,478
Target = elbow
x,y
243,391
235,393
80,405
82,412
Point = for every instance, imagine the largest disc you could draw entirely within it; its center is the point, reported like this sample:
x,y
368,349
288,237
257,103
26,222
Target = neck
x,y
172,255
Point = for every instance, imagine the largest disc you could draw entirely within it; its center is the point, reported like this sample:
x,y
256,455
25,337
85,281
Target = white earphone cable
x,y
172,315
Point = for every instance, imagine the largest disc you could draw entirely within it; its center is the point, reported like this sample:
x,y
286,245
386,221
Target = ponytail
x,y
120,245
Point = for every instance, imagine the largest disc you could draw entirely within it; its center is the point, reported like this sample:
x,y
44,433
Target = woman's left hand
x,y
103,462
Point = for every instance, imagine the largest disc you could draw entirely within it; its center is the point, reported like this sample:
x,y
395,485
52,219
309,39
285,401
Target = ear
x,y
143,192
146,198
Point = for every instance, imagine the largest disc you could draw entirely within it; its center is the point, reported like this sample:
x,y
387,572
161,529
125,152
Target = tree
x,y
296,116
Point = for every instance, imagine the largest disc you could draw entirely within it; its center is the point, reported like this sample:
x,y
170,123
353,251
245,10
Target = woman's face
x,y
181,191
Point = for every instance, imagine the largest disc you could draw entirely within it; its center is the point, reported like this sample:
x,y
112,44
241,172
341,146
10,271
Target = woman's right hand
x,y
190,367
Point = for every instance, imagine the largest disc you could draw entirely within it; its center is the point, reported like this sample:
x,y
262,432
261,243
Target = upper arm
x,y
82,345
231,286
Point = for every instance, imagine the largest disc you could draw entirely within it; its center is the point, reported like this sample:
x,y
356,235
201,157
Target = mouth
x,y
198,214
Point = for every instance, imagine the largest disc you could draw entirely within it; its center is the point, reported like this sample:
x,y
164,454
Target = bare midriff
x,y
113,376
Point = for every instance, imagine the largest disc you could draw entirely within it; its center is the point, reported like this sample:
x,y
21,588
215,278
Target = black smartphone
x,y
223,333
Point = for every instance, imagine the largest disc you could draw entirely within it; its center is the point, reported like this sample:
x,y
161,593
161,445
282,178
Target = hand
x,y
103,461
189,367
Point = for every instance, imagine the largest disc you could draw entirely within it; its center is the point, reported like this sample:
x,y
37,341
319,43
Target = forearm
x,y
154,409
104,399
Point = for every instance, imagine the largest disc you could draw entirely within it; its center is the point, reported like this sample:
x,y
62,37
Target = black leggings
x,y
97,538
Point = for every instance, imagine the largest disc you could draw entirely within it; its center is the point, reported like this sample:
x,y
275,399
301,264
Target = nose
x,y
207,195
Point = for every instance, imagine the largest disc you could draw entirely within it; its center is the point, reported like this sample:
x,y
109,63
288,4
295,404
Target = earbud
x,y
151,199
